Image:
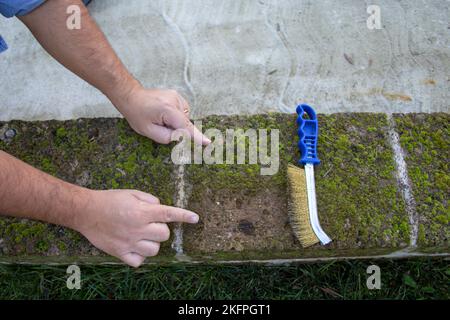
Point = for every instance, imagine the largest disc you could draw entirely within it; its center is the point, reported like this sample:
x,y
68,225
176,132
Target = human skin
x,y
127,224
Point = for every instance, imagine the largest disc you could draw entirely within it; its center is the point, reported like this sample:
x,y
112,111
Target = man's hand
x,y
87,52
126,224
157,113
129,224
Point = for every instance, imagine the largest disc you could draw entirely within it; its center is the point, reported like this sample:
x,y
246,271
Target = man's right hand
x,y
128,224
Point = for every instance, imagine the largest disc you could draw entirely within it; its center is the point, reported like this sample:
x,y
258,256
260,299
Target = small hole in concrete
x,y
246,227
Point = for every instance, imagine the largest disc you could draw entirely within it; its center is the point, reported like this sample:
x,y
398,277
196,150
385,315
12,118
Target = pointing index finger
x,y
166,214
176,119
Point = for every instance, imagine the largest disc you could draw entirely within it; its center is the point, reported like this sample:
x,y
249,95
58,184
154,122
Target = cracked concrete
x,y
241,57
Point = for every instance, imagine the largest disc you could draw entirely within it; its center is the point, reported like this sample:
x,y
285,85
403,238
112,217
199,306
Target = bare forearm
x,y
87,53
29,193
84,51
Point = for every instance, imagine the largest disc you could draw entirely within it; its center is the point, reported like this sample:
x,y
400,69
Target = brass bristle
x,y
298,207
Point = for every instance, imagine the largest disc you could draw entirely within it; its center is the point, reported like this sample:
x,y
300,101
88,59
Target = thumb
x,y
176,119
159,133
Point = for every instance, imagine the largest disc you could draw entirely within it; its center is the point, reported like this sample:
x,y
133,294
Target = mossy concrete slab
x,y
94,153
425,138
245,214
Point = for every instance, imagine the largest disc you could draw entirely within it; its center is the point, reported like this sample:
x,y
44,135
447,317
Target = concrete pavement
x,y
242,57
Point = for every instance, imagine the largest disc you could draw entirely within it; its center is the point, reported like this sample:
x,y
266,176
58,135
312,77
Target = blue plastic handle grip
x,y
3,45
308,130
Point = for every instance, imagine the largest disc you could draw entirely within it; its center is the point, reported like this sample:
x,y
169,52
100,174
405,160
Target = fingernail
x,y
193,218
205,139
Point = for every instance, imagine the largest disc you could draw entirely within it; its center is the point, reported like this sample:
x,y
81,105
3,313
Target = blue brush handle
x,y
308,130
3,45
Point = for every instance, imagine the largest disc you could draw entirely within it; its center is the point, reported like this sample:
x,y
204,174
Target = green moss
x,y
62,246
426,141
239,177
61,133
18,231
42,246
97,153
142,164
26,236
356,184
358,200
130,164
47,166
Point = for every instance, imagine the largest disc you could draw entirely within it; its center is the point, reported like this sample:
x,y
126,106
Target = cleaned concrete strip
x,y
244,57
181,202
404,182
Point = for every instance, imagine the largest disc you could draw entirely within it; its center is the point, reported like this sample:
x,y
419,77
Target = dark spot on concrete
x,y
238,203
429,82
349,59
93,133
396,96
188,73
246,227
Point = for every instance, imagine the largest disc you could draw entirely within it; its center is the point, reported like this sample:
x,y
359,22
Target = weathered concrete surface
x,y
243,214
238,57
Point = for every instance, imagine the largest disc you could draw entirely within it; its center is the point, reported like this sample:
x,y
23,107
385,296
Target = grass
x,y
422,278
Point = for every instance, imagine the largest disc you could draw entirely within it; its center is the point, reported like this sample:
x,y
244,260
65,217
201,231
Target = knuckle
x,y
142,215
168,215
131,213
142,205
166,105
165,101
170,101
